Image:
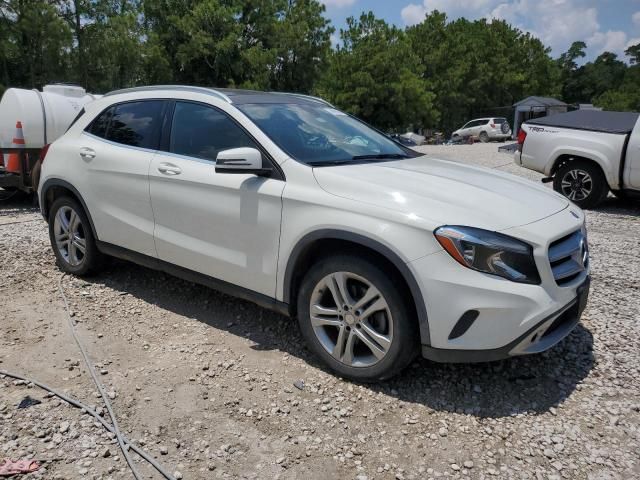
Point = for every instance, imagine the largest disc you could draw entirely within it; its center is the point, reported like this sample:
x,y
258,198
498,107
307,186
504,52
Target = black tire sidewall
x,y
600,186
484,137
92,260
405,332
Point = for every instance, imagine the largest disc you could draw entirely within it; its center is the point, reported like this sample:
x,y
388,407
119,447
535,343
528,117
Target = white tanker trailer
x,y
29,120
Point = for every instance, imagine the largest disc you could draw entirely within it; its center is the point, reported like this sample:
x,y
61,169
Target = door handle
x,y
87,153
169,169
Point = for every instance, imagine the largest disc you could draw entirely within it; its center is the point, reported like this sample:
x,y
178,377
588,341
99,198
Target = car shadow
x,y
629,207
18,204
531,384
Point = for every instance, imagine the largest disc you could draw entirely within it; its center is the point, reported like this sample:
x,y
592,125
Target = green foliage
x,y
624,98
634,52
375,75
474,67
434,74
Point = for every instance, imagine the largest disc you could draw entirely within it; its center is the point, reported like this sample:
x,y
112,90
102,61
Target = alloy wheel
x,y
577,184
351,319
69,235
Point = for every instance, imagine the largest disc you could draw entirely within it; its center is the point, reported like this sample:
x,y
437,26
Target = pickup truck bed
x,y
586,153
592,120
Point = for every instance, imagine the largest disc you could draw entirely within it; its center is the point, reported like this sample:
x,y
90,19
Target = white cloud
x,y
558,23
632,41
610,41
414,13
338,3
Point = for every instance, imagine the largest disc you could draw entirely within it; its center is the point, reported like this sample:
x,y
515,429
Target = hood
x,y
444,192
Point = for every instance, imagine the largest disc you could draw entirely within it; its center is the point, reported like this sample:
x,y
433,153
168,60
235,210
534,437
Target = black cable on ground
x,y
93,413
92,371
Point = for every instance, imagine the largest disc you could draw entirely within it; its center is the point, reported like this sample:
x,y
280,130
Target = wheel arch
x,y
564,158
55,188
321,243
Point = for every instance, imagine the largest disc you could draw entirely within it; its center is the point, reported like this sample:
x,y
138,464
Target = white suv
x,y
285,201
485,129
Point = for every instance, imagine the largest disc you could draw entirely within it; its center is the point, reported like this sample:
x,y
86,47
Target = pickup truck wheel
x,y
354,317
484,137
72,239
581,182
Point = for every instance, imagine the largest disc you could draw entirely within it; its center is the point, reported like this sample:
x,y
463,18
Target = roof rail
x,y
184,88
310,97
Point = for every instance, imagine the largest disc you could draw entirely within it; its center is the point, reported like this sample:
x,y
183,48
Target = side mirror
x,y
241,160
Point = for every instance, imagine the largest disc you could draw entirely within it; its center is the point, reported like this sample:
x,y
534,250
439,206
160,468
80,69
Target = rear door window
x,y
136,124
202,131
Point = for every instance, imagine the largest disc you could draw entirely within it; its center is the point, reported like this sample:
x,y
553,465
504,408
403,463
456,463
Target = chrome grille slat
x,y
566,269
569,257
565,248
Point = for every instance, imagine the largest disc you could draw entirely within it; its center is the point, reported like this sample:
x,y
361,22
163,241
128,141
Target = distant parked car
x,y
486,129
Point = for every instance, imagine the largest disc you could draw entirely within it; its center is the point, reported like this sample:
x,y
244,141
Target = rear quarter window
x,y
98,126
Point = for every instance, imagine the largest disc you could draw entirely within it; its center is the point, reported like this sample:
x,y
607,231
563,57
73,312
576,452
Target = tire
x,y
484,137
582,182
69,256
392,324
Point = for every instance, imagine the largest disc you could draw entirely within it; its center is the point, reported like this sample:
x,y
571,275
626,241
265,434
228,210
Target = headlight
x,y
490,252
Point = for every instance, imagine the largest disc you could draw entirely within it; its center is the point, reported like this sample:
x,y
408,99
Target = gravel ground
x,y
205,382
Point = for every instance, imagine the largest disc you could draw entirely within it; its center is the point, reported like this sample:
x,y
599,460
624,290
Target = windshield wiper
x,y
380,156
330,163
357,159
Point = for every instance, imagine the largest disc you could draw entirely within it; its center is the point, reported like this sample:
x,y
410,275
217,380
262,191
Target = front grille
x,y
569,257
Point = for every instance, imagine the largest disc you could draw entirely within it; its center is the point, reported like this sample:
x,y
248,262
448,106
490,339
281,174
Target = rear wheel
x,y
484,137
72,239
354,317
581,182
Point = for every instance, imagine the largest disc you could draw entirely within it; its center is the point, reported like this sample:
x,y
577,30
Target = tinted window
x,y
499,121
99,125
136,124
201,131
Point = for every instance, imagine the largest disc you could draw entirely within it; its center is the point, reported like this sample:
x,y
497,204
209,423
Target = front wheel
x,y
354,317
581,182
72,239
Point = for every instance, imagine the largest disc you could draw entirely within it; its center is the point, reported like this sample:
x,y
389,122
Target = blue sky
x,y
603,24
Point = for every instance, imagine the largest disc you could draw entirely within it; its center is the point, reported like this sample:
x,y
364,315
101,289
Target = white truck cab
x,y
586,153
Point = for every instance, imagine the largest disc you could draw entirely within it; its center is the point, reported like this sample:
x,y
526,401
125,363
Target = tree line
x,y
437,74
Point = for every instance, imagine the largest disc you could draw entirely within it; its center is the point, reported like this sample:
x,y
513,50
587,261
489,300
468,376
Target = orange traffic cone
x,y
13,159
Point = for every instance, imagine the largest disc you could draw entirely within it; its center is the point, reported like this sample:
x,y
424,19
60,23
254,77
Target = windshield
x,y
319,135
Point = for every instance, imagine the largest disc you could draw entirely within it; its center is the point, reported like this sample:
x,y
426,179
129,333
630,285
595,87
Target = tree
x,y
634,52
375,75
475,67
261,44
567,60
34,43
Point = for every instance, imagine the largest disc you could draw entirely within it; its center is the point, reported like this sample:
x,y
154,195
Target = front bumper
x,y
541,337
474,316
